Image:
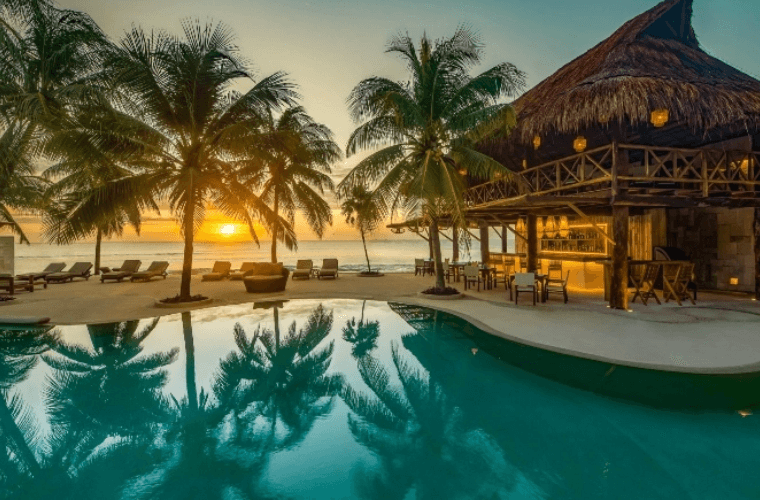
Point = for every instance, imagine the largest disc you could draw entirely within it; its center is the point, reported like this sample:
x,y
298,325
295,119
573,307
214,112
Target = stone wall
x,y
720,241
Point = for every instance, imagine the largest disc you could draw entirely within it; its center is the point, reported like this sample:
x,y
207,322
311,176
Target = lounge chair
x,y
55,267
78,270
220,271
303,269
245,270
329,269
126,270
157,268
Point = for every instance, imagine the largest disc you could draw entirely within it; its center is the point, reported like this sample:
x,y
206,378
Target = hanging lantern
x,y
660,117
520,226
536,142
497,175
463,171
564,227
549,227
579,144
540,227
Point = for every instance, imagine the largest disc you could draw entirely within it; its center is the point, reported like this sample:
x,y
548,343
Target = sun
x,y
227,229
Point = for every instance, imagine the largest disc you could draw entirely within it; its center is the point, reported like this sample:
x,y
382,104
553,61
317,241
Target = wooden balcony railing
x,y
622,168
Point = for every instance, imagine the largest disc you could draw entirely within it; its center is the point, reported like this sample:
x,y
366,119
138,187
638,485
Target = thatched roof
x,y
653,61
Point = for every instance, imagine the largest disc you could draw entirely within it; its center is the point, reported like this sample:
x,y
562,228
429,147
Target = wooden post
x,y
430,245
757,253
454,243
619,281
532,243
485,253
504,238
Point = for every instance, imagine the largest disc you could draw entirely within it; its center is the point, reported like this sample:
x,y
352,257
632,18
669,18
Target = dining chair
x,y
471,275
556,286
643,282
524,282
419,267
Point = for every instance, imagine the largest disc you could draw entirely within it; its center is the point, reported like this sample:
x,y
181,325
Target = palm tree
x,y
47,57
363,211
293,167
428,126
182,127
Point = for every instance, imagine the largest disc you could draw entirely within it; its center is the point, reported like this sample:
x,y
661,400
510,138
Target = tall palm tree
x,y
427,128
363,211
47,59
293,167
181,125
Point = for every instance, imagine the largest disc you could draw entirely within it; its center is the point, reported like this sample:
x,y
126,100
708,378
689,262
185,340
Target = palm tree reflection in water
x,y
420,438
363,335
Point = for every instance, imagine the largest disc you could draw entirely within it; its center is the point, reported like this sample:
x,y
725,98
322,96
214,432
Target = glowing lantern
x,y
462,171
497,175
536,142
660,117
564,227
579,144
550,227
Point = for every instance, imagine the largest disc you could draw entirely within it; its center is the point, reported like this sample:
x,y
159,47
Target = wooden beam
x,y
485,254
504,238
619,278
589,221
532,243
472,234
518,235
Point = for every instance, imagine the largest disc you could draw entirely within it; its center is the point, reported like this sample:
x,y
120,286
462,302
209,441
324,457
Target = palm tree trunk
x,y
16,438
435,243
98,240
192,390
364,242
187,261
454,243
276,329
274,227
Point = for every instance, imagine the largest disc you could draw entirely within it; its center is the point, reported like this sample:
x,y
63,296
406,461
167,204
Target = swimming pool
x,y
338,399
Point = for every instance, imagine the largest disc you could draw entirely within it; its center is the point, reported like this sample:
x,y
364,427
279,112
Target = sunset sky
x,y
327,46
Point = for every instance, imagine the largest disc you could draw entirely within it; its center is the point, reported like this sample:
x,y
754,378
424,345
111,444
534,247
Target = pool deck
x,y
719,335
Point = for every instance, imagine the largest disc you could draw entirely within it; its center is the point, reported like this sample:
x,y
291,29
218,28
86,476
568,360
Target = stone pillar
x,y
619,278
532,243
485,253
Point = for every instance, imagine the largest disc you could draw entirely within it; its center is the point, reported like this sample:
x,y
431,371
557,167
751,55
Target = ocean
x,y
388,256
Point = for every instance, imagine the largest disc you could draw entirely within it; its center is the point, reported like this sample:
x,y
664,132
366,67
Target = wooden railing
x,y
622,168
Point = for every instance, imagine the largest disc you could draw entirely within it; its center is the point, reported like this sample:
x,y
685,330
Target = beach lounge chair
x,y
157,268
55,267
126,270
303,269
329,269
220,271
78,270
245,270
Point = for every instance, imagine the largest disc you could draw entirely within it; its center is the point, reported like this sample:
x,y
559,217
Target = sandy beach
x,y
719,335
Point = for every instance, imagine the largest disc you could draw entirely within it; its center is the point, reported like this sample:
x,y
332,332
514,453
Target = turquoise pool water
x,y
339,399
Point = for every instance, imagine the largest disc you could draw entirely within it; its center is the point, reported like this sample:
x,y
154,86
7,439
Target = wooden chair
x,y
524,282
675,281
471,275
419,267
501,275
670,275
644,281
554,271
428,267
557,286
448,270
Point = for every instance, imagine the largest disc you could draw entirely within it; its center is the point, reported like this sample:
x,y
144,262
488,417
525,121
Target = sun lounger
x,y
245,270
329,269
157,268
126,270
303,269
220,271
78,270
55,267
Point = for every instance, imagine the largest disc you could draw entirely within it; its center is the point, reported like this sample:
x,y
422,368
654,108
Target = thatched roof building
x,y
653,61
